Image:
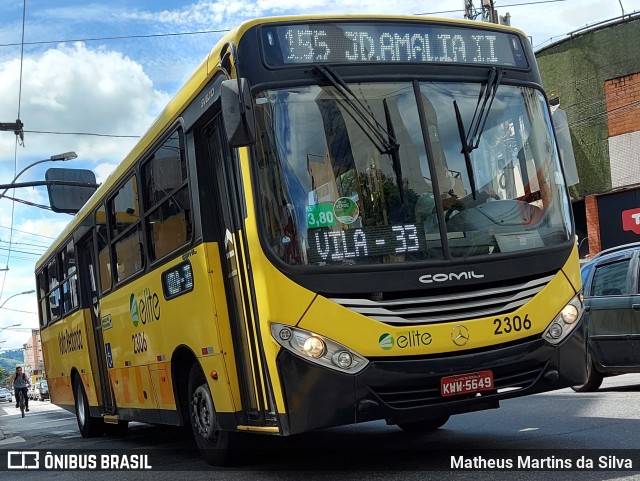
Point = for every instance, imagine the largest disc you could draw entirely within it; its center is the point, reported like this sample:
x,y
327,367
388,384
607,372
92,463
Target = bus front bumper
x,y
402,391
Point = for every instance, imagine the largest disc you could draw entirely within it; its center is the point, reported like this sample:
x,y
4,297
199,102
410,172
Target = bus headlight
x,y
565,322
570,314
318,349
314,346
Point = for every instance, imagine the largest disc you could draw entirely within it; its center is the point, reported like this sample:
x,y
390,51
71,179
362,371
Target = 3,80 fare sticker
x,y
320,215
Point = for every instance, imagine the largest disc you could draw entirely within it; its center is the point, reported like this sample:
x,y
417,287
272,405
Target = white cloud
x,y
76,89
102,171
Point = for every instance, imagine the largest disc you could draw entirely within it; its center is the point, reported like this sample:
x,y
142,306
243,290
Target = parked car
x,y
612,305
31,391
5,395
38,392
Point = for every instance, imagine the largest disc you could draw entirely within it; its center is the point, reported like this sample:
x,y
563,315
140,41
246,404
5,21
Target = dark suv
x,y
612,306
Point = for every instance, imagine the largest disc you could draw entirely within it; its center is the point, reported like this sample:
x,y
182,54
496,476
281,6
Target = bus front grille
x,y
470,304
407,397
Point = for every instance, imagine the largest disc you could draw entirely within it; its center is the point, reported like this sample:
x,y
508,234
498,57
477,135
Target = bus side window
x,y
166,198
126,238
42,297
53,286
69,278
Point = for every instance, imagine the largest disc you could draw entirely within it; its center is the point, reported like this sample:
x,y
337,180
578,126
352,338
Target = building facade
x,y
33,360
594,74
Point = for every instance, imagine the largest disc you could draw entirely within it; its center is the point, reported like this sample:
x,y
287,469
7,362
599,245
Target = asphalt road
x,y
552,428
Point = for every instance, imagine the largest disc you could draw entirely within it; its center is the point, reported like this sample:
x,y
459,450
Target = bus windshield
x,y
378,176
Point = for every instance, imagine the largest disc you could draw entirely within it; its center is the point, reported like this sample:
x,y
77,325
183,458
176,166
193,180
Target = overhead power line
x,y
28,233
82,133
117,37
496,5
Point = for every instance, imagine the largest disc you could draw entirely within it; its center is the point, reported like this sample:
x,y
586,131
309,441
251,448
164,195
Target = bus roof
x,y
192,87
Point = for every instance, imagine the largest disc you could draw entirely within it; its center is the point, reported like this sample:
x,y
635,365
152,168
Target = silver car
x,y
5,395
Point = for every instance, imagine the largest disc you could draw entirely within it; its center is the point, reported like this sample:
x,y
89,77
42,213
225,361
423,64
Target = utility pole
x,y
469,10
489,13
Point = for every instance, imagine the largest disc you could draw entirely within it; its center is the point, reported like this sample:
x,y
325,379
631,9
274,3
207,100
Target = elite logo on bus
x,y
145,308
405,339
386,341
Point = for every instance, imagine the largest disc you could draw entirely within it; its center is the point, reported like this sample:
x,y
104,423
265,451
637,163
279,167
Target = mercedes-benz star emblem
x,y
460,335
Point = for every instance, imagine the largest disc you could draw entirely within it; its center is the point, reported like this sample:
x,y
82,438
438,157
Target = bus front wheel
x,y
89,427
212,442
424,426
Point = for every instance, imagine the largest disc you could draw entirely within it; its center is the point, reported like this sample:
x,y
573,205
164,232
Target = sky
x,y
92,76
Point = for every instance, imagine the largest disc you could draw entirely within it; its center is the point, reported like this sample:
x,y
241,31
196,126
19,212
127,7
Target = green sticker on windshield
x,y
320,215
346,210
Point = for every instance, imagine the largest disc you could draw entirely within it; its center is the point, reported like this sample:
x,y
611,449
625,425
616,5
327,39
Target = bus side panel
x,y
132,387
162,385
225,364
147,328
67,346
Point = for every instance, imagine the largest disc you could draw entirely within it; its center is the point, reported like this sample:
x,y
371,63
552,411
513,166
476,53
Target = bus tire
x,y
424,426
89,427
594,378
212,442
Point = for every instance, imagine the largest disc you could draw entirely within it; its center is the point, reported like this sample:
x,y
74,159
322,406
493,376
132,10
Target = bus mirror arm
x,y
238,113
237,108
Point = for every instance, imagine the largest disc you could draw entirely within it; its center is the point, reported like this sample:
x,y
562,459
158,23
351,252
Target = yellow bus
x,y
335,220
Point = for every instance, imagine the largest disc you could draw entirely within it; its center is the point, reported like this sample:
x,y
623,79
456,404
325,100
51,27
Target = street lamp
x,y
54,158
18,294
8,327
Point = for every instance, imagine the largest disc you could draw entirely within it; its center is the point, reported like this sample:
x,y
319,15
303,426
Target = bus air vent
x,y
424,309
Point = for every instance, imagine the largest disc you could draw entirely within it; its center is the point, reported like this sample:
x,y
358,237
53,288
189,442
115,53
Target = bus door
x,y
257,398
88,273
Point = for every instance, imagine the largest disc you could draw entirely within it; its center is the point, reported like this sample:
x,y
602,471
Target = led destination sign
x,y
389,43
364,242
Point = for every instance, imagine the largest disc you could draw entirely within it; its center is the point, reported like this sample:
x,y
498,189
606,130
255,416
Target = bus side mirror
x,y
69,189
238,114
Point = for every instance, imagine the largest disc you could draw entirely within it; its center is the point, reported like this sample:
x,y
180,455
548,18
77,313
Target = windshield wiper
x,y
384,141
465,150
471,139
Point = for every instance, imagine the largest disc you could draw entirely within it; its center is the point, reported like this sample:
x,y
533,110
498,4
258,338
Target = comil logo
x,y
449,276
386,341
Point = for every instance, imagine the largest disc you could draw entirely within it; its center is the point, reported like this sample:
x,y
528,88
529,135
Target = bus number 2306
x,y
505,325
139,343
